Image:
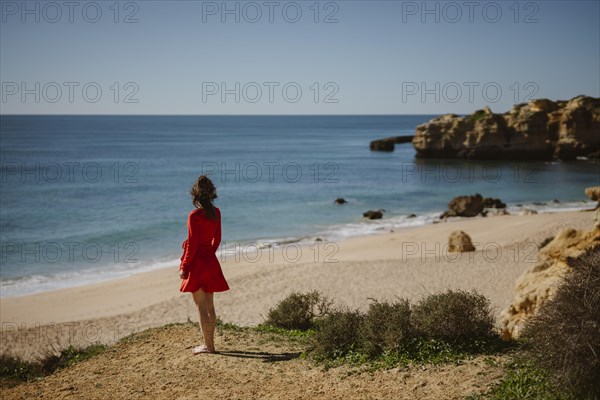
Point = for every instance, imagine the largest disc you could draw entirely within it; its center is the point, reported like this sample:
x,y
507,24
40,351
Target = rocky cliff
x,y
540,129
538,285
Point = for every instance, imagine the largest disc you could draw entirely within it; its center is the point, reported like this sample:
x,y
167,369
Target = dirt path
x,y
158,364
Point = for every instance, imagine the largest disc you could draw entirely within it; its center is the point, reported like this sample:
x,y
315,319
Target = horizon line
x,y
212,115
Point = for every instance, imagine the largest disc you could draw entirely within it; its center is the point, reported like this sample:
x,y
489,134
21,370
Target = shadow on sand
x,y
266,357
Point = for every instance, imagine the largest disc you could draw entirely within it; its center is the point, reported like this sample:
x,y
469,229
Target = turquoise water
x,y
86,198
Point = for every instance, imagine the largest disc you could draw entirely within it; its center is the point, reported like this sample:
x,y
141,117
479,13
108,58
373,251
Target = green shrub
x,y
564,336
336,334
69,356
298,311
442,328
453,316
15,369
385,327
525,380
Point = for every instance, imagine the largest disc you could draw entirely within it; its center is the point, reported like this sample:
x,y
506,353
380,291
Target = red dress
x,y
199,258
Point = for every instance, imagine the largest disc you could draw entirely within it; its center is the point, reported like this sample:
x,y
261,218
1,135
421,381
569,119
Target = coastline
x,y
38,284
408,263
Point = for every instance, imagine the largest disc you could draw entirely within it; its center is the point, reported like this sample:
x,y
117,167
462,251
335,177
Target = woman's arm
x,y
192,242
217,238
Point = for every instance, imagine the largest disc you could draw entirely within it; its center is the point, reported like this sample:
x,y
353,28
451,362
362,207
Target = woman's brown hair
x,y
203,193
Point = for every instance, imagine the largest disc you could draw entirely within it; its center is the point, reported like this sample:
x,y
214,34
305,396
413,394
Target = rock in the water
x,y
465,206
501,211
340,200
388,144
382,145
459,241
411,216
401,139
489,202
537,285
373,214
540,129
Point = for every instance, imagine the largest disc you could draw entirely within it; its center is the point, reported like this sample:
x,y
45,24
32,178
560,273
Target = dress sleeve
x,y
192,242
184,247
217,238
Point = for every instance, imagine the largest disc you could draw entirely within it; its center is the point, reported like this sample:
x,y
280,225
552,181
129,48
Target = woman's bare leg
x,y
208,319
210,306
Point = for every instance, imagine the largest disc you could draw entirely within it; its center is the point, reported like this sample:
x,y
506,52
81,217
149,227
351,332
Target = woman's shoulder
x,y
196,212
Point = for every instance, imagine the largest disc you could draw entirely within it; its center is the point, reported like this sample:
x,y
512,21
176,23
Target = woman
x,y
200,268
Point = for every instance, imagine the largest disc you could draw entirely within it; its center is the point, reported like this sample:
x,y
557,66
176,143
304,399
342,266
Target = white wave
x,y
551,206
369,227
43,283
360,227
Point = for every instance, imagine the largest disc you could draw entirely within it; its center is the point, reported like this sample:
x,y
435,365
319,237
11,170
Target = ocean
x,y
91,198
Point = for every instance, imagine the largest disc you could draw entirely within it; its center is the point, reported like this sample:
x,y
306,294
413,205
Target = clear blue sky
x,y
376,59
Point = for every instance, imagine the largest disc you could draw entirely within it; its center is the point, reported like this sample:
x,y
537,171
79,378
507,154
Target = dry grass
x,y
564,336
386,326
454,316
299,311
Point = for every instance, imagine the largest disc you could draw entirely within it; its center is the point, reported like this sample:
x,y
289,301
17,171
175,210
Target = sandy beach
x,y
405,263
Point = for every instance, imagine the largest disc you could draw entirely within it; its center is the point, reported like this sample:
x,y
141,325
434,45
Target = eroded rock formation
x,y
540,129
539,283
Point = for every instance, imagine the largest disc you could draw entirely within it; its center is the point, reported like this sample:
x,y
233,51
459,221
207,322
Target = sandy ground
x,y
407,263
159,365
